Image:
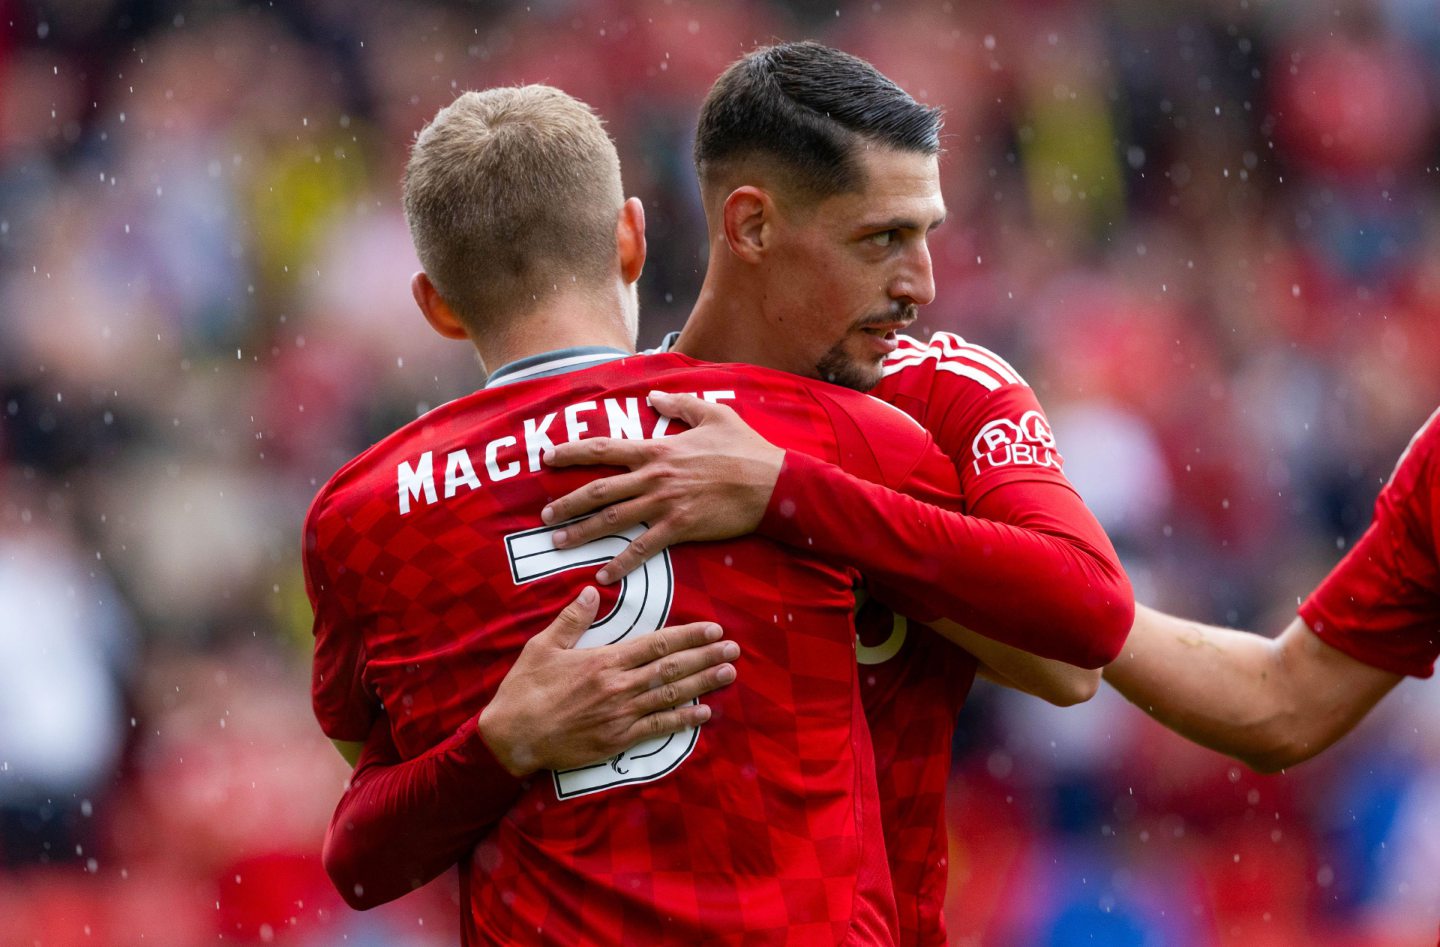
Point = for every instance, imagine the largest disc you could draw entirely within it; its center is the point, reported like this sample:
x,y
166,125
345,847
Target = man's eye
x,y
883,239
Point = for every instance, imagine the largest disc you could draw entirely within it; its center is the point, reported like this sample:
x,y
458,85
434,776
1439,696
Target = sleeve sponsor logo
x,y
1026,443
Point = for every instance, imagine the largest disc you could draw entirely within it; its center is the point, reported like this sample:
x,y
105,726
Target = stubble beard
x,y
838,367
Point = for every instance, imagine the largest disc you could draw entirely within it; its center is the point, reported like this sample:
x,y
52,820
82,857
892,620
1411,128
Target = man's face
x,y
850,270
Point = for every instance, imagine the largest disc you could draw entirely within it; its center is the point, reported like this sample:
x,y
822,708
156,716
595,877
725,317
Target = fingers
x,y
681,665
610,521
592,496
642,547
616,451
650,649
666,722
688,408
574,618
686,688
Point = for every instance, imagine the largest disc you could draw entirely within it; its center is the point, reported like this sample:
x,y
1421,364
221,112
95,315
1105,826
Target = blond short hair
x,y
511,193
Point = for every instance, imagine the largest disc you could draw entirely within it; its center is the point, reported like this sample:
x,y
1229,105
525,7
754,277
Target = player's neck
x,y
567,321
722,326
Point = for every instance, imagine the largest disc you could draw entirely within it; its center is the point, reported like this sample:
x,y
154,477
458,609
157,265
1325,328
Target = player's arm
x,y
401,823
1371,621
1051,590
1271,703
1054,509
1055,682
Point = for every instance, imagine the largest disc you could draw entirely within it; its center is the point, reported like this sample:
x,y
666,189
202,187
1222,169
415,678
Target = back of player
x,y
429,575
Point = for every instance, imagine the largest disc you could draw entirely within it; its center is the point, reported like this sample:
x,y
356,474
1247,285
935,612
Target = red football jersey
x,y
987,419
427,575
1381,604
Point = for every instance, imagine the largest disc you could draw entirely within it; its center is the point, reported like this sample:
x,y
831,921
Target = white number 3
x,y
643,606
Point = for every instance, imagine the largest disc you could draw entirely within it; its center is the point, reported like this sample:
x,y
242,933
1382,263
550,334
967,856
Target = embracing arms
x,y
1029,568
401,823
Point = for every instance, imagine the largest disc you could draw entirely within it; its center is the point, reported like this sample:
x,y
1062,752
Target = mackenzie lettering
x,y
505,457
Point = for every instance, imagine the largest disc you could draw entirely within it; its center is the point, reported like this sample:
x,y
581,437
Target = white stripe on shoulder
x,y
987,358
978,375
954,355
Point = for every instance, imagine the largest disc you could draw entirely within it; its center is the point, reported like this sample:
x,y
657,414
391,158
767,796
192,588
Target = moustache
x,y
899,312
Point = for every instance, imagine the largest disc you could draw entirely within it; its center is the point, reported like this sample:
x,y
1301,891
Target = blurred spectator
x,y
65,646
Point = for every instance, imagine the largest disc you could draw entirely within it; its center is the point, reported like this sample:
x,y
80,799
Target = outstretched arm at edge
x,y
1271,703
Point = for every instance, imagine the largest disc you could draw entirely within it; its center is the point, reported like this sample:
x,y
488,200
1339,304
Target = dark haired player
x,y
978,408
805,242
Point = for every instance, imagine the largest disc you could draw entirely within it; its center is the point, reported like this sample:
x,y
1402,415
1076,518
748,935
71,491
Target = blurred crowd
x,y
1206,231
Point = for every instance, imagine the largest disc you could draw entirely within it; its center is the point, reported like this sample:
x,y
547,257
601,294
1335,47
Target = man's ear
x,y
630,239
748,217
437,311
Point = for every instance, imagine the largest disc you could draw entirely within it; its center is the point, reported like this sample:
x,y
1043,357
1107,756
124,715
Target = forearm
x,y
1270,703
1053,681
1058,597
1219,687
402,823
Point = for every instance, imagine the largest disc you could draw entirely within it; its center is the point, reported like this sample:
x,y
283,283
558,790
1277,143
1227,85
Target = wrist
x,y
782,505
495,730
772,461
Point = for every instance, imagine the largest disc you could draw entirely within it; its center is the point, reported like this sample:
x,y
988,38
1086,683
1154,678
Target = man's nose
x,y
915,283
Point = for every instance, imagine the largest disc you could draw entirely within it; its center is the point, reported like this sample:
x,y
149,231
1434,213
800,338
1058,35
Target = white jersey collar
x,y
557,362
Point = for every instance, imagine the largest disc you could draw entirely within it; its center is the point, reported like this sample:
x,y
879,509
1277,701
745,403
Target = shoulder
x,y
1414,485
872,413
375,468
1421,458
949,356
1412,494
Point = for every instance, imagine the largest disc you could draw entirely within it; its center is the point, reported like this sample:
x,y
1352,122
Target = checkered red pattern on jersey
x,y
913,695
767,832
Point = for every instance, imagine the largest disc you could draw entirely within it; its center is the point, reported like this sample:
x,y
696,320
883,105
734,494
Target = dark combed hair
x,y
805,107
